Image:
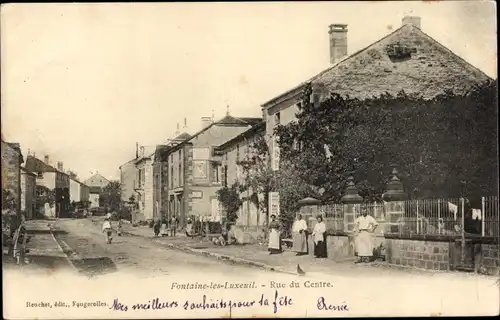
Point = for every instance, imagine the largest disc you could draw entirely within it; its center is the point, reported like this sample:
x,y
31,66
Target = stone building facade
x,y
28,193
11,170
195,170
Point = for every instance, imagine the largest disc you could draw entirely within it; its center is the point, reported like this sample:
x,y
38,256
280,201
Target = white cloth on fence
x,y
476,214
453,208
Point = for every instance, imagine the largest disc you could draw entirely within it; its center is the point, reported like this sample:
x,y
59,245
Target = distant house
x,y
235,152
28,193
128,174
12,159
144,183
79,191
95,183
54,179
194,170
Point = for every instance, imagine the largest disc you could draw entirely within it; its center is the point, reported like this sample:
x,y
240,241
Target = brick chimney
x,y
60,166
413,20
47,159
205,122
338,42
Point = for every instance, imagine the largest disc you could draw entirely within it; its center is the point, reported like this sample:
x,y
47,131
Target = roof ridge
x,y
454,54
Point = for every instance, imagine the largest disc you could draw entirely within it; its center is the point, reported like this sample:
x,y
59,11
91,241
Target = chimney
x,y
338,42
137,150
47,159
413,20
60,166
205,122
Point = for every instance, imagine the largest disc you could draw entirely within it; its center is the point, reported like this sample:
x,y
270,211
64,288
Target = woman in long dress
x,y
163,230
274,245
319,236
300,245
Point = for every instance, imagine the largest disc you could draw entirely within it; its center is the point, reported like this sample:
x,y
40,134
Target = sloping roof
x,y
258,127
36,165
23,169
183,136
97,180
228,120
431,69
17,147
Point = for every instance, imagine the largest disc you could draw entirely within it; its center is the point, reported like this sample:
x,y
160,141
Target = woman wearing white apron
x,y
274,245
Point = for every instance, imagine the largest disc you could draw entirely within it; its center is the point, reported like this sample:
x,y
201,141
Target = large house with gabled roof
x,y
406,60
194,171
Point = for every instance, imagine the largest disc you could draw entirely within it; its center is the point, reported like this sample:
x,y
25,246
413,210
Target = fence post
x,y
439,216
483,215
394,195
418,219
462,202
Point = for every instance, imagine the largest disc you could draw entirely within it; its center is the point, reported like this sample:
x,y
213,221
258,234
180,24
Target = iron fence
x,y
334,216
490,217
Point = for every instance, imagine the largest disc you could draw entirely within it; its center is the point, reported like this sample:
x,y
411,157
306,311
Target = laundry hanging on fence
x,y
453,208
476,214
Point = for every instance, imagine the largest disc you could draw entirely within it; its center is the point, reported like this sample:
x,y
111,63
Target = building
x,y
95,183
194,170
79,191
144,183
128,174
54,179
407,59
235,152
28,193
160,181
12,159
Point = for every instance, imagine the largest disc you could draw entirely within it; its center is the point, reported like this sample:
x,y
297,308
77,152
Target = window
x,y
277,119
225,175
180,174
216,174
171,178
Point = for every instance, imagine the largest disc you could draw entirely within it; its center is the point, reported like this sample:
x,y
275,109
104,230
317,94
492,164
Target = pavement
x,y
45,255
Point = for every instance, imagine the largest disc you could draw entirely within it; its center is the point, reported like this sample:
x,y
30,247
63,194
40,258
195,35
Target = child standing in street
x,y
106,228
156,227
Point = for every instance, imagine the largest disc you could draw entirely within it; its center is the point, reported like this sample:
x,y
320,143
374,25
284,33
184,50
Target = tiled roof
x,y
259,126
183,136
36,165
430,69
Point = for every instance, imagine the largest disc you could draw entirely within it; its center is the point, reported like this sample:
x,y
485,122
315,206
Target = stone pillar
x,y
394,197
351,201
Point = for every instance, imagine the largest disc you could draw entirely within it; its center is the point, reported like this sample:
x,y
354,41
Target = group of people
x,y
365,225
161,227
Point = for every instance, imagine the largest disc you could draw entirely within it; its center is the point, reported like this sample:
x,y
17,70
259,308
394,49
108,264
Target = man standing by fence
x,y
365,226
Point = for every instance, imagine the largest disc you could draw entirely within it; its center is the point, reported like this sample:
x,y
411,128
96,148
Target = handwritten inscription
x,y
275,303
323,305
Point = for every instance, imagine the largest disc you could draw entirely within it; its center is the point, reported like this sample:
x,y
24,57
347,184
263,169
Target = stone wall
x,y
11,171
431,255
490,259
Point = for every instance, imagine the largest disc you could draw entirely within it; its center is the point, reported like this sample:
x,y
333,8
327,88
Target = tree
x,y
8,200
229,197
445,146
110,196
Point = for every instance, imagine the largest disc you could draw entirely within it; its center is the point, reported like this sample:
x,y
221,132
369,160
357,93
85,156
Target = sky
x,y
83,83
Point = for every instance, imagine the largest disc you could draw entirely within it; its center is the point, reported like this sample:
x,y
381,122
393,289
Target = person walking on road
x,y
120,227
163,230
173,225
157,227
365,226
106,228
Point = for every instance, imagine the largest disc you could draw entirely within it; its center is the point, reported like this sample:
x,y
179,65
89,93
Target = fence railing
x,y
490,218
432,216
